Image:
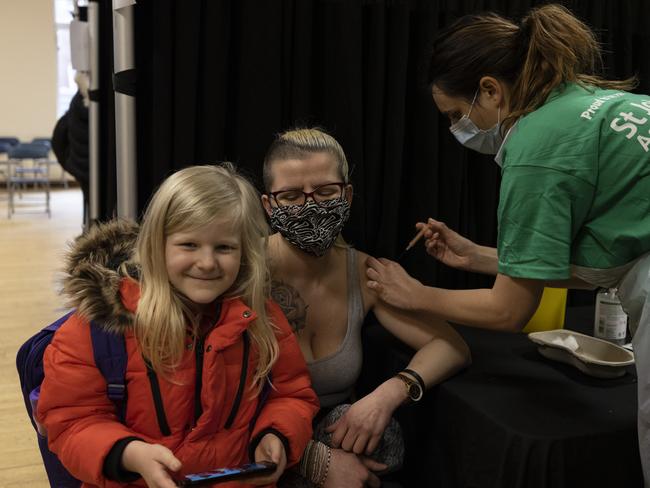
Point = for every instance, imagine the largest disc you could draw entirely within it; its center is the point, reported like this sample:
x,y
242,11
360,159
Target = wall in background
x,y
28,88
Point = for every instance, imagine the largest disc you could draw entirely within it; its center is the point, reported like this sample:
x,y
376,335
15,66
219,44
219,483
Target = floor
x,y
31,246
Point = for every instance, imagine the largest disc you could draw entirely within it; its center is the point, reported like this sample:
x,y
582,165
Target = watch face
x,y
415,392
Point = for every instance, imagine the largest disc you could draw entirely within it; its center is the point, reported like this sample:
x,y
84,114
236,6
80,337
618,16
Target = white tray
x,y
590,355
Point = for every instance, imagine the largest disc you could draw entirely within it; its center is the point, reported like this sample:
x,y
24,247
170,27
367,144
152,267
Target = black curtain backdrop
x,y
107,170
217,79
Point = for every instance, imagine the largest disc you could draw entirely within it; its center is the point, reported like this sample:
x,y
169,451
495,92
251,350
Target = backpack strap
x,y
110,357
54,326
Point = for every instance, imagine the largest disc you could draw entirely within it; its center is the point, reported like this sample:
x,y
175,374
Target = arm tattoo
x,y
291,303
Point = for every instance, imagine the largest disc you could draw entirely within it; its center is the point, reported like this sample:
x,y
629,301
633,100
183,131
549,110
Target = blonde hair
x,y
299,144
549,48
187,200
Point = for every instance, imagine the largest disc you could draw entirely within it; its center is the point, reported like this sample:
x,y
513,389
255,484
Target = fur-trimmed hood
x,y
93,279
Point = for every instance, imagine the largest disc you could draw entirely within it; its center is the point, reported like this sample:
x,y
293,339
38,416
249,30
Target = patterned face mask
x,y
312,227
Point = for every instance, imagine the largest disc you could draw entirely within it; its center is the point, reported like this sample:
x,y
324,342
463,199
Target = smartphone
x,y
221,475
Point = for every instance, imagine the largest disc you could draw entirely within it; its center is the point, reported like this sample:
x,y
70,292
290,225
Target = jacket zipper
x,y
242,382
199,355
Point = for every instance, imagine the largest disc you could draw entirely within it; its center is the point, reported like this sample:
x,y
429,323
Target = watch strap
x,y
409,383
416,376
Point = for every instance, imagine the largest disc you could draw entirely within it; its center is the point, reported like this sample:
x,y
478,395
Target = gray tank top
x,y
334,376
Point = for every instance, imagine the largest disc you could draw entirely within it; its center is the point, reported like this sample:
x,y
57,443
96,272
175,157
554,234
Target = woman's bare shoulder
x,y
369,298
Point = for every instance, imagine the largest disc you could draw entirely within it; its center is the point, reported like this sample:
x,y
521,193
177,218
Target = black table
x,y
516,419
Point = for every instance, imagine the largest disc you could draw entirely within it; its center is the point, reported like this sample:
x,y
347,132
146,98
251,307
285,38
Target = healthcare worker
x,y
574,149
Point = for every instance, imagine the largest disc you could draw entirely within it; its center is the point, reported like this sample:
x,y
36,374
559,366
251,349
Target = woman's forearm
x,y
507,306
440,358
468,307
440,350
434,362
484,261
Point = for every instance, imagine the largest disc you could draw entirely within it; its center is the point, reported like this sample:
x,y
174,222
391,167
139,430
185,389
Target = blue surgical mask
x,y
484,141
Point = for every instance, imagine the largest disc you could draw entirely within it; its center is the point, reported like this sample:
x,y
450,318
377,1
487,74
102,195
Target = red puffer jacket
x,y
81,421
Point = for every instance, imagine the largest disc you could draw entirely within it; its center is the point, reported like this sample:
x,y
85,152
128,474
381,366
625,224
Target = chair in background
x,y
12,141
46,141
21,176
42,140
4,164
6,143
4,147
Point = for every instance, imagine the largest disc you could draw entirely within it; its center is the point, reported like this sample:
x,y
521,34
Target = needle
x,y
413,241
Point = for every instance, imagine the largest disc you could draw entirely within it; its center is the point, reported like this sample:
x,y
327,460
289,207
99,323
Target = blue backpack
x,y
110,357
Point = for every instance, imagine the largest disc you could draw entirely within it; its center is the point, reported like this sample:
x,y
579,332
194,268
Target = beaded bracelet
x,y
307,459
315,461
324,453
327,467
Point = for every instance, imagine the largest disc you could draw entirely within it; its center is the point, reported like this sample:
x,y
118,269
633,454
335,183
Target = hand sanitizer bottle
x,y
610,321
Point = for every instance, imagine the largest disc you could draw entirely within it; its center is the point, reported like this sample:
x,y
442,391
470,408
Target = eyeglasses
x,y
324,193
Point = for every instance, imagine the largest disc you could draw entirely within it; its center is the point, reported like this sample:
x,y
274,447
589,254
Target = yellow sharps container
x,y
550,312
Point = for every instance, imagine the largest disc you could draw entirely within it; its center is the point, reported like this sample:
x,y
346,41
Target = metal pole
x,y
93,113
125,150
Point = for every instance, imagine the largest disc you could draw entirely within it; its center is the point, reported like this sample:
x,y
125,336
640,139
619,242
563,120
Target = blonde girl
x,y
188,291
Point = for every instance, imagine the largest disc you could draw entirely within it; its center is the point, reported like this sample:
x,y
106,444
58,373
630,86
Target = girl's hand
x,y
152,462
351,471
360,429
391,283
271,449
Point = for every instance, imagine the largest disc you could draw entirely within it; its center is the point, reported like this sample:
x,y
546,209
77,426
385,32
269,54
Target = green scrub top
x,y
575,185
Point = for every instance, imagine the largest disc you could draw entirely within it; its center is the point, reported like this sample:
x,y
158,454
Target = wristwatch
x,y
413,389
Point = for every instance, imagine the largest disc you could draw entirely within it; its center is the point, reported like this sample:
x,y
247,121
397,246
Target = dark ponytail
x,y
549,48
560,49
